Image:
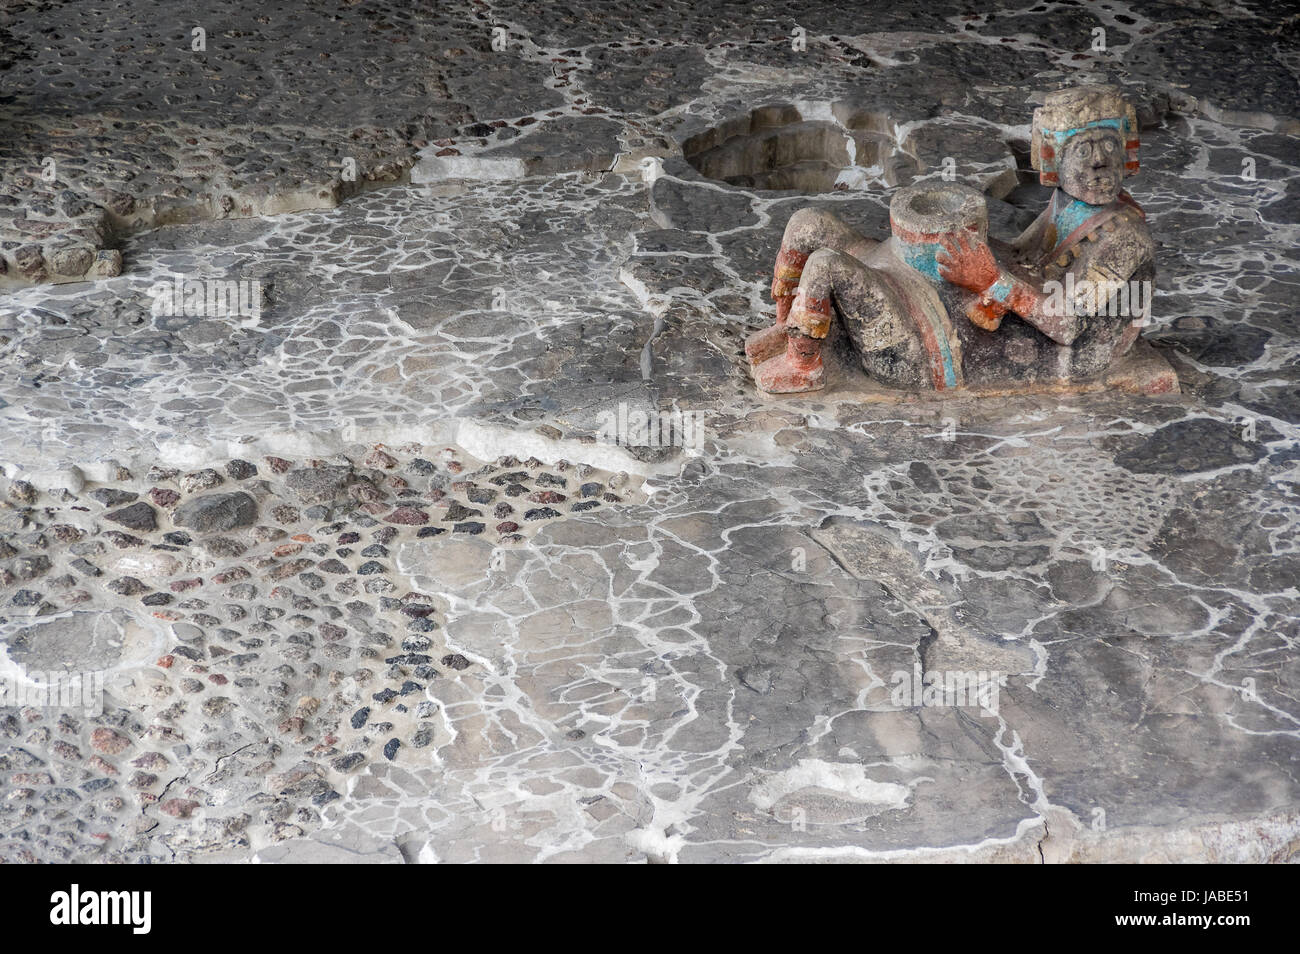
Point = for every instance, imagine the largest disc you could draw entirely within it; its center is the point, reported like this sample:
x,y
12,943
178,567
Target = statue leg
x,y
834,282
807,231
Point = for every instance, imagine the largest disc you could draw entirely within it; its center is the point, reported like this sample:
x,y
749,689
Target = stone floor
x,y
378,570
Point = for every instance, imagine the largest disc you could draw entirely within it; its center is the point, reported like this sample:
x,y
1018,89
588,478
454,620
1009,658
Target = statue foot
x,y
799,369
765,344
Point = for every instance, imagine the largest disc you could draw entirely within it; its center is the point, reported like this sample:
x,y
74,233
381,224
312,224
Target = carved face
x,y
1092,166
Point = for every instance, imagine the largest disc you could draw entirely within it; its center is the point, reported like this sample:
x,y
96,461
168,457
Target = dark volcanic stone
x,y
164,497
26,598
25,492
286,514
408,659
457,512
1189,447
241,470
224,547
547,497
204,479
214,513
409,516
316,485
29,568
346,763
112,497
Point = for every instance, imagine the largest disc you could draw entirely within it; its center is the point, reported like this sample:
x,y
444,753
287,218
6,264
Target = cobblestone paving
x,y
372,570
268,627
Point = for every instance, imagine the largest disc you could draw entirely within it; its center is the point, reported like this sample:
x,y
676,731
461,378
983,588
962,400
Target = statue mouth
x,y
1103,184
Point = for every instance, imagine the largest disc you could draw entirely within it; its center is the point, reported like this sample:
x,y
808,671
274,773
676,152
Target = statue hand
x,y
986,315
967,262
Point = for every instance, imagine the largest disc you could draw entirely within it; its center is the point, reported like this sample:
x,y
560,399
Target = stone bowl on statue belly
x,y
921,216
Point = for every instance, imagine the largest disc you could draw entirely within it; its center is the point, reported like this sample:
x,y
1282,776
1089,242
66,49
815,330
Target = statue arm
x,y
968,262
1111,266
1018,293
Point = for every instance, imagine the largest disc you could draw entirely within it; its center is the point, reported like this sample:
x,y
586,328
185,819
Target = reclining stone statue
x,y
942,306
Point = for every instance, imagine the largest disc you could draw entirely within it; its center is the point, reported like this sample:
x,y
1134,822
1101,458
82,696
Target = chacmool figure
x,y
940,305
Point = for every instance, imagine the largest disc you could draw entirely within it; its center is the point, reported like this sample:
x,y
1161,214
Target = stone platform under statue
x,y
1143,371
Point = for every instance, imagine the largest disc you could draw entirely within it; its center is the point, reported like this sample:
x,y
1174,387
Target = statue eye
x,y
1109,145
1085,150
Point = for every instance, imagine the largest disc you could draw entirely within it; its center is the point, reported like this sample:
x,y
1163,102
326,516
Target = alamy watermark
x,y
58,690
1119,299
206,297
947,688
133,909
640,427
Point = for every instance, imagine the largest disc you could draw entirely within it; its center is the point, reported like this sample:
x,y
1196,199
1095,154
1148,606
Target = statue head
x,y
1085,141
